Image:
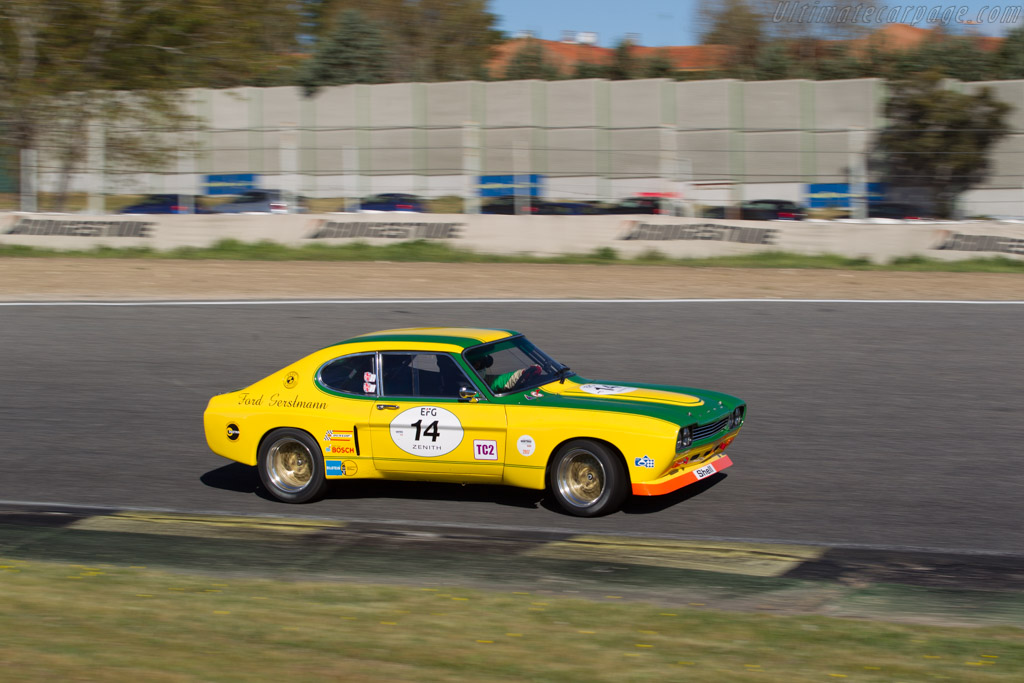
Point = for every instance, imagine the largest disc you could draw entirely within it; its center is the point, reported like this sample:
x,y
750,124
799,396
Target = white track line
x,y
355,302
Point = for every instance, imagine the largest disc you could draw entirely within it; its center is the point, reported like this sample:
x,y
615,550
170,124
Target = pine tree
x,y
354,52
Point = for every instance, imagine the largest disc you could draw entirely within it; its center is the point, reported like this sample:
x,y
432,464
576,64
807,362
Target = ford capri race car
x,y
469,406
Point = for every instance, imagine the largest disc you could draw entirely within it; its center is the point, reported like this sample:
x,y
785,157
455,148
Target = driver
x,y
508,380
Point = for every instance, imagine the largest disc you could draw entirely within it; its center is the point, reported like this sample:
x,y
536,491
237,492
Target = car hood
x,y
679,405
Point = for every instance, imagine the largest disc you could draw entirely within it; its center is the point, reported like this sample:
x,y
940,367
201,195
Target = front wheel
x,y
291,466
587,478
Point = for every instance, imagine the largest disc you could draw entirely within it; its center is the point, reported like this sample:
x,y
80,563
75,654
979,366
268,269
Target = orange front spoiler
x,y
674,482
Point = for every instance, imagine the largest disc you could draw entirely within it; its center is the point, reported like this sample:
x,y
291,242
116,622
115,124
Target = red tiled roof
x,y
565,56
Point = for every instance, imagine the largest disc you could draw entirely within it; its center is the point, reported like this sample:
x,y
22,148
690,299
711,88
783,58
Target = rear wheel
x,y
291,466
587,478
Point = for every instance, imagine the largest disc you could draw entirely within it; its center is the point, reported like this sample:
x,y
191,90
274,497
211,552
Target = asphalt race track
x,y
877,424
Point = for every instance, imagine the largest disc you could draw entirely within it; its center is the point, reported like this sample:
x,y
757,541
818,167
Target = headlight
x,y
685,438
737,417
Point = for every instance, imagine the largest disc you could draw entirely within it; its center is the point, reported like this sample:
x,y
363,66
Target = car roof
x,y
463,337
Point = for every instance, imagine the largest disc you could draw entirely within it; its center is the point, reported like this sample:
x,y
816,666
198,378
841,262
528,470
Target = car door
x,y
419,423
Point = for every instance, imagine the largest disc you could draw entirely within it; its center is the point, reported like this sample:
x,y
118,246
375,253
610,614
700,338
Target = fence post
x,y
520,182
97,164
29,180
855,160
289,156
471,166
350,173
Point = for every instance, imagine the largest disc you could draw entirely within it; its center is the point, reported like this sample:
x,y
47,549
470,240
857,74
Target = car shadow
x,y
234,477
645,505
416,490
240,478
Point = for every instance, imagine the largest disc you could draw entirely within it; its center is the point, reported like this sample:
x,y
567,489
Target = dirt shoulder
x,y
38,279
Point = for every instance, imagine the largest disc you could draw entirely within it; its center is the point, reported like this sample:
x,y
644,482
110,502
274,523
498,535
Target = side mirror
x,y
468,395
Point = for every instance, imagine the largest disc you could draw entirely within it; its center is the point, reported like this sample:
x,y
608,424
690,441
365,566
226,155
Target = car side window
x,y
350,375
433,375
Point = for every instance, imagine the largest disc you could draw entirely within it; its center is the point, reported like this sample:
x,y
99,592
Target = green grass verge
x,y
430,251
103,622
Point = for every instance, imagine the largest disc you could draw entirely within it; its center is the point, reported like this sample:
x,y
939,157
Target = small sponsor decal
x,y
525,445
369,388
645,461
534,394
485,450
349,468
337,435
605,389
339,450
369,377
233,432
427,431
705,471
290,380
335,468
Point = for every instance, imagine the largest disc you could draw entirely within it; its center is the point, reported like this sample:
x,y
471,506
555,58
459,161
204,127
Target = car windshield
x,y
514,365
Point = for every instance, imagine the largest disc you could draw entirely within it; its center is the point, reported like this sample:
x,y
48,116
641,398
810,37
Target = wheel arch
x,y
263,438
605,442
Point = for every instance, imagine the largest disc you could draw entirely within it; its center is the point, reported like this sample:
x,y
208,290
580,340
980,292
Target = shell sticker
x,y
605,389
427,431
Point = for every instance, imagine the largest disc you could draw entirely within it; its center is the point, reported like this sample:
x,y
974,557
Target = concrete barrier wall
x,y
537,235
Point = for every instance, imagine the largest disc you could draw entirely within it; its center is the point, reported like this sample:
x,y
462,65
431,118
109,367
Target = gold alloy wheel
x,y
581,477
290,465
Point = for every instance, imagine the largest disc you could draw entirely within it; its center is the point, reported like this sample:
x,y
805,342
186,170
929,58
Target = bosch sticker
x,y
525,445
645,461
339,450
605,389
485,450
427,431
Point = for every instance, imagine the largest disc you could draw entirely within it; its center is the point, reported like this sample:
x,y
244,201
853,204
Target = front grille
x,y
710,429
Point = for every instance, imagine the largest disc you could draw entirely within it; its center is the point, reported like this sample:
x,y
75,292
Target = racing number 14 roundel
x,y
427,431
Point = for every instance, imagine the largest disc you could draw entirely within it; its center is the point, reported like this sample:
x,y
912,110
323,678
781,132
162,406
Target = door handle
x,y
386,406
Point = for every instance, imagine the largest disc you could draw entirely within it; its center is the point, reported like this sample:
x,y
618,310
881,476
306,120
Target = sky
x,y
673,22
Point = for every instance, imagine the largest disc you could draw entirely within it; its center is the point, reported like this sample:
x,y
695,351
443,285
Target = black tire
x,y
587,478
291,466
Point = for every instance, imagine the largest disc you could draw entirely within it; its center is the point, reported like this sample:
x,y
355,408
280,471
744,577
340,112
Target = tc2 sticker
x,y
427,431
525,445
605,389
485,450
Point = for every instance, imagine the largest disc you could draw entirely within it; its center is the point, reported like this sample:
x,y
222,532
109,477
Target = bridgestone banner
x,y
535,235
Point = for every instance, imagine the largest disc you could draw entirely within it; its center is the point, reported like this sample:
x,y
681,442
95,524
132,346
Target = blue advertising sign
x,y
501,185
837,195
230,183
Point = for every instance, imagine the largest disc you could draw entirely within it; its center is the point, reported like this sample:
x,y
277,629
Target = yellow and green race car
x,y
469,405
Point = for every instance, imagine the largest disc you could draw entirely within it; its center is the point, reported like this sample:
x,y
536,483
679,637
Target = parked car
x,y
264,201
763,210
897,210
469,405
391,201
506,205
167,203
636,205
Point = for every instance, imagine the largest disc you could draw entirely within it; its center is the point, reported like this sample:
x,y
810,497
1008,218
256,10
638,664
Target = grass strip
x,y
437,252
103,622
